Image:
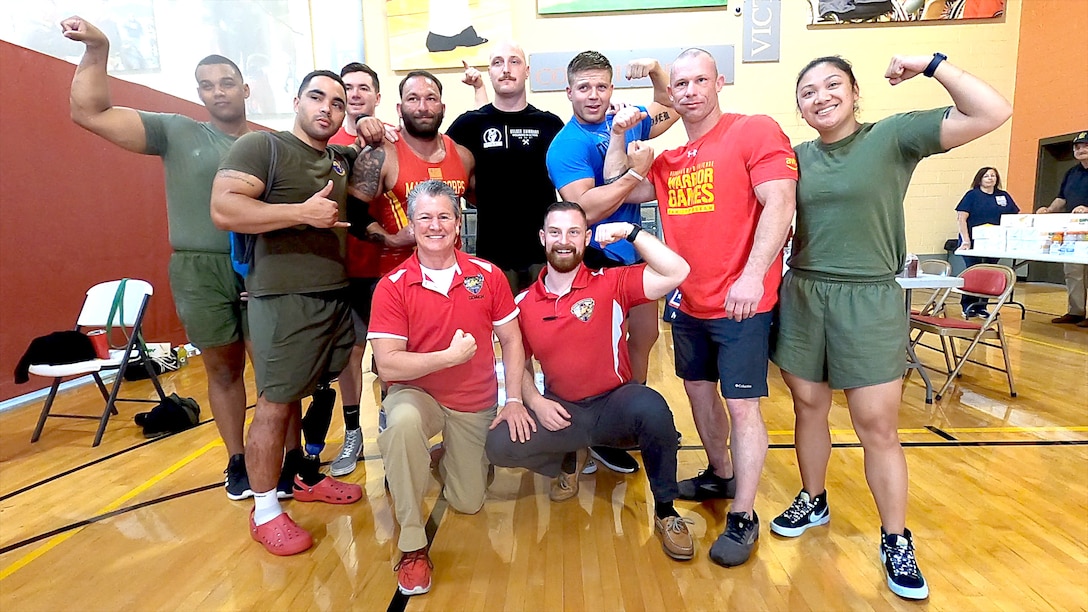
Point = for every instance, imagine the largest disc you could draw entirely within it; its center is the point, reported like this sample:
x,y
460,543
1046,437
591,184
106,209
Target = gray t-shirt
x,y
190,152
299,259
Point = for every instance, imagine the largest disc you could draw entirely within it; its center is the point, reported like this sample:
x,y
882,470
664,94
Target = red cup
x,y
100,342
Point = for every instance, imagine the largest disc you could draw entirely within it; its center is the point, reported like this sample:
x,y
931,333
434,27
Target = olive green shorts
x,y
848,334
208,298
299,340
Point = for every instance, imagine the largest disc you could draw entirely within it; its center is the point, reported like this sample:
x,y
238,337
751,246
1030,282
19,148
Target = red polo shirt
x,y
409,307
578,337
709,210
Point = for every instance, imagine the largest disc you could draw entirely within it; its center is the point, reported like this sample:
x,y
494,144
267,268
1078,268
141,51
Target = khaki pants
x,y
1076,284
412,418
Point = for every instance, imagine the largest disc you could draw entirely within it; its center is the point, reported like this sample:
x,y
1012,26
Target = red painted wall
x,y
75,210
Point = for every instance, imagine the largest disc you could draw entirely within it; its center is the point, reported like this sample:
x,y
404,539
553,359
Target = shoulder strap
x,y
243,245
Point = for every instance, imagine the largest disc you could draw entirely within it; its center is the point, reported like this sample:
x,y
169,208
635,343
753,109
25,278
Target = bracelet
x,y
516,400
635,229
632,172
363,116
932,67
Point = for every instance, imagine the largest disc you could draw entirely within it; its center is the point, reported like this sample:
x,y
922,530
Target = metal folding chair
x,y
992,281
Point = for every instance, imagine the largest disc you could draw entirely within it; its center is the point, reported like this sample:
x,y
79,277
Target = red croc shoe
x,y
329,490
281,536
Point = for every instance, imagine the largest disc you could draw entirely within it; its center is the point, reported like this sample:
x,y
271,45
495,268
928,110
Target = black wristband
x,y
932,67
635,229
363,116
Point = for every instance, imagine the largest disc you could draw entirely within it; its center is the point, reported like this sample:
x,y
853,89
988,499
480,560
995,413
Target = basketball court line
x,y
114,505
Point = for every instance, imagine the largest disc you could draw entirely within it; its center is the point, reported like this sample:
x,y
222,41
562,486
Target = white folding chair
x,y
96,313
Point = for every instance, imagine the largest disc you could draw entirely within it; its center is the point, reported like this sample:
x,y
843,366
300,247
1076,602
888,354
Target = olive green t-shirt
x,y
850,221
303,258
190,152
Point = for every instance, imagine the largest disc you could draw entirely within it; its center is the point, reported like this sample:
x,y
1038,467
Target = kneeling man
x,y
572,320
430,326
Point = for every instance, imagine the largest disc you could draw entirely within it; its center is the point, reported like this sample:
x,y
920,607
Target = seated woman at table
x,y
843,324
983,204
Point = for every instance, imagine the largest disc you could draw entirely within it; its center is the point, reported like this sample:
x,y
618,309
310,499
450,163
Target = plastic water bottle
x,y
183,356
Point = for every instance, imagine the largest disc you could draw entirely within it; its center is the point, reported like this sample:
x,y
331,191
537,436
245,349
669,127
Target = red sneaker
x,y
281,536
328,490
414,572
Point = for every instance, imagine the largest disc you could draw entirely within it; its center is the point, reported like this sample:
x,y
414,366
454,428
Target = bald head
x,y
507,48
693,53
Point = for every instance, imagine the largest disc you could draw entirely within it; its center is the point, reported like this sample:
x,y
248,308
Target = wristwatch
x,y
932,67
635,229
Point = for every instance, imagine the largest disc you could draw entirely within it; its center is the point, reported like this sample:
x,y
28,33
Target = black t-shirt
x,y
512,186
1074,189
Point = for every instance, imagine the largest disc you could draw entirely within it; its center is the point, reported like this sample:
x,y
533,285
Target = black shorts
x,y
360,294
724,350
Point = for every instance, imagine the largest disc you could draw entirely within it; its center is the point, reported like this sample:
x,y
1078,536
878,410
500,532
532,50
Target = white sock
x,y
266,506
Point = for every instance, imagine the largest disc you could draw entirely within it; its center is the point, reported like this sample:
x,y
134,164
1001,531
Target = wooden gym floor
x,y
998,506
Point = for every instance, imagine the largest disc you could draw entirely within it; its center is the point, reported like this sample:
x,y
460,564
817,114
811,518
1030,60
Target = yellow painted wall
x,y
986,49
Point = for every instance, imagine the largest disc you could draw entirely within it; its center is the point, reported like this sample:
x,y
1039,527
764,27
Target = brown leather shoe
x,y
675,537
565,486
1083,323
1067,318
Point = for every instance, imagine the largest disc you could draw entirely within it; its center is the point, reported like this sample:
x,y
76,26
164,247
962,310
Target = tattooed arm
x,y
661,112
372,175
235,206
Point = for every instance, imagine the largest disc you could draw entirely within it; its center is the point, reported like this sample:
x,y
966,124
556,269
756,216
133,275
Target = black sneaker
x,y
707,485
897,555
237,478
735,544
614,459
803,513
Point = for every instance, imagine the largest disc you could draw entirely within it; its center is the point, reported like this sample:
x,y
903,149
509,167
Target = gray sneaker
x,y
735,544
349,454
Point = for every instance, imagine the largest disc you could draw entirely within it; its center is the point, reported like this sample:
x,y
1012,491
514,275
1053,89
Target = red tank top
x,y
390,209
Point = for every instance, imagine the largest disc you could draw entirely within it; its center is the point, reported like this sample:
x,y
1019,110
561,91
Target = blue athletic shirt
x,y
577,153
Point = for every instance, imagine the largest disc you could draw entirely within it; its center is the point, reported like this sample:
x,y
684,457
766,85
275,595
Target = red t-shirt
x,y
709,211
408,307
341,137
390,209
578,337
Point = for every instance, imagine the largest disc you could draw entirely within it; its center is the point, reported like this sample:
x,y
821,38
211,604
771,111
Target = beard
x,y
420,131
564,263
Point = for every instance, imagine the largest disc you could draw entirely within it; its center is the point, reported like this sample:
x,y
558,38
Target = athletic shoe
x,y
414,572
1068,318
803,513
897,555
565,486
590,468
281,536
675,537
350,453
614,459
237,478
734,546
707,485
328,490
976,310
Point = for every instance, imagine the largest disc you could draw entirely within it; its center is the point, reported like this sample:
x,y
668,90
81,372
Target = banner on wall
x,y
762,30
549,70
831,12
561,7
431,34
